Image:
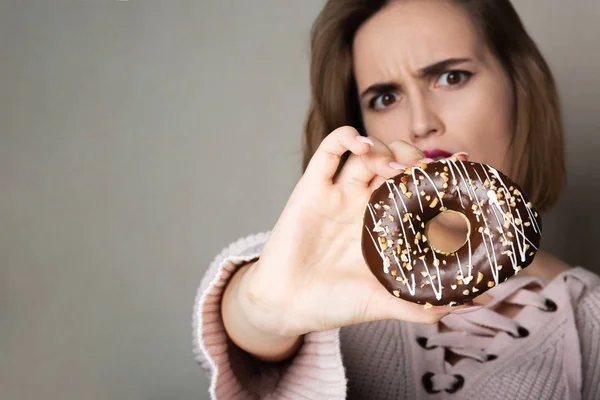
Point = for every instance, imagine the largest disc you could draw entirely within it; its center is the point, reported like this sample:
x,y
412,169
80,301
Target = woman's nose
x,y
424,121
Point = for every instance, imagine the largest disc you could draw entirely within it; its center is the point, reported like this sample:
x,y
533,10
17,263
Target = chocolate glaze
x,y
505,232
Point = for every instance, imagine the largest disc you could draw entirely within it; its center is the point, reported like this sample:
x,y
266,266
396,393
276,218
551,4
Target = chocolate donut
x,y
504,232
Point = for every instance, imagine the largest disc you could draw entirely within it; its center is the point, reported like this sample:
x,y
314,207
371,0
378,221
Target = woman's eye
x,y
454,78
383,101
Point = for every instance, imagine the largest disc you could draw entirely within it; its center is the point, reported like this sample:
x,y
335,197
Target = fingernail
x,y
397,166
461,153
425,160
466,310
363,139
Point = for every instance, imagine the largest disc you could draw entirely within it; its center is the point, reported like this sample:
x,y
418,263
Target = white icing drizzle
x,y
426,175
412,287
536,227
451,166
438,292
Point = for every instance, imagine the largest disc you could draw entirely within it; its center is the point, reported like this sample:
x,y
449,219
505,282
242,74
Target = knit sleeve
x,y
588,325
315,372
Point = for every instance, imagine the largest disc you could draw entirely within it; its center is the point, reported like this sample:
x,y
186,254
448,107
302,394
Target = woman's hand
x,y
311,275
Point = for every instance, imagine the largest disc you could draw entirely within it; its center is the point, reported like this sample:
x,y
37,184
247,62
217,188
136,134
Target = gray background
x,y
138,138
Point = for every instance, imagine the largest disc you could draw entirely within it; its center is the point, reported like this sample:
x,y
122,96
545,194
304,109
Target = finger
x,y
384,305
325,162
381,305
361,170
411,156
463,156
404,155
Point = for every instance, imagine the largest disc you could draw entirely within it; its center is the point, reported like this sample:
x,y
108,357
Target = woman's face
x,y
425,76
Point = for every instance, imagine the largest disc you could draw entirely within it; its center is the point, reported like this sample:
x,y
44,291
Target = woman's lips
x,y
436,154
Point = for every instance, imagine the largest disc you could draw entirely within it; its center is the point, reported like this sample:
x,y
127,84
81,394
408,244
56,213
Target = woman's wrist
x,y
245,323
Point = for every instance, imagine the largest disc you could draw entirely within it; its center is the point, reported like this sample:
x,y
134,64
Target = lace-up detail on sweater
x,y
472,334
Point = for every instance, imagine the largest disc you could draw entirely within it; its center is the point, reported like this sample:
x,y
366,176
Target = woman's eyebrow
x,y
441,66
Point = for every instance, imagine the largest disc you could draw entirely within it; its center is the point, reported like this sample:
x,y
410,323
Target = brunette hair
x,y
537,144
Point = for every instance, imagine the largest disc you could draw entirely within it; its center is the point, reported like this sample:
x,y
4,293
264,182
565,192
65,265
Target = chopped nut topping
x,y
491,284
383,242
479,277
397,293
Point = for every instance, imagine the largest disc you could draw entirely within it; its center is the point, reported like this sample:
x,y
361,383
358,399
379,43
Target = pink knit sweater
x,y
550,350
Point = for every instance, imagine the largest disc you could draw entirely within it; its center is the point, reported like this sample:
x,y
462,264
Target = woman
x,y
399,83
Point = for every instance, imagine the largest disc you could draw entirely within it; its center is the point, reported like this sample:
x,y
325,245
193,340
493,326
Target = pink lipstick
x,y
436,154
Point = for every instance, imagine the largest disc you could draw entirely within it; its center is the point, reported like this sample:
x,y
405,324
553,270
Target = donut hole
x,y
448,231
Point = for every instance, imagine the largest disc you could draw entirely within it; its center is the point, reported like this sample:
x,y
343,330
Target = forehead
x,y
408,35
